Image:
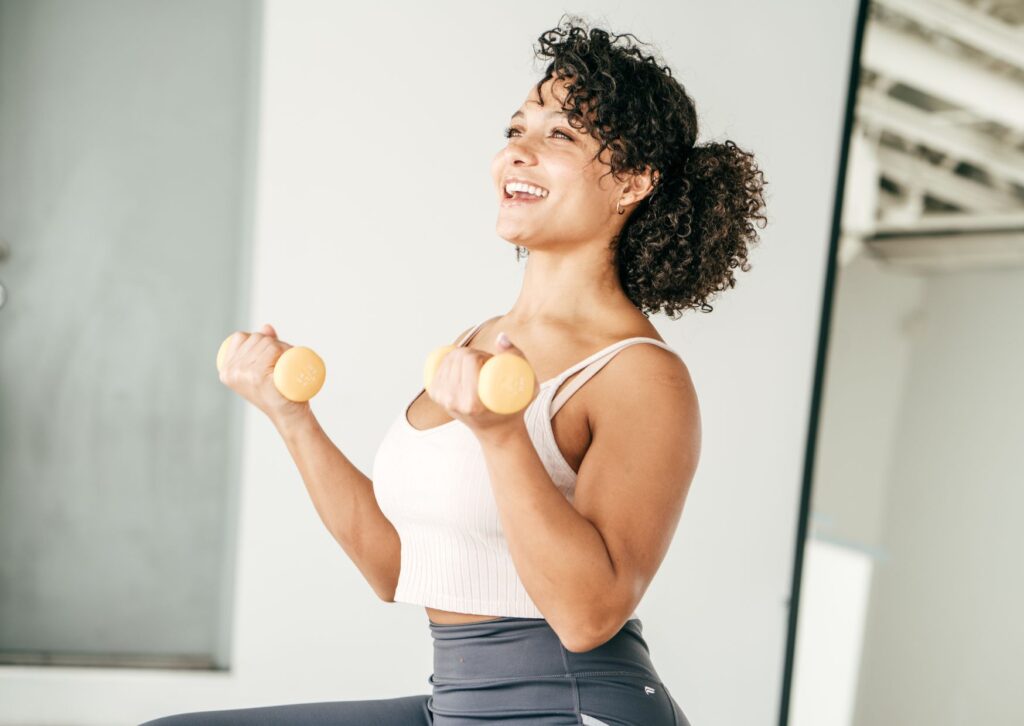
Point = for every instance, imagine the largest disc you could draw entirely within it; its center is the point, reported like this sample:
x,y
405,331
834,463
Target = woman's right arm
x,y
343,495
344,499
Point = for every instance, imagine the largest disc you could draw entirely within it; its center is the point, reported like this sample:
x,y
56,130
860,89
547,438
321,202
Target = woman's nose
x,y
521,152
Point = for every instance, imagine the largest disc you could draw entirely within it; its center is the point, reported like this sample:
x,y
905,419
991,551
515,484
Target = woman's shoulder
x,y
656,362
477,327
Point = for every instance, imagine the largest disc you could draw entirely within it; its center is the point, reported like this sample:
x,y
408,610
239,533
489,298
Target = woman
x,y
530,538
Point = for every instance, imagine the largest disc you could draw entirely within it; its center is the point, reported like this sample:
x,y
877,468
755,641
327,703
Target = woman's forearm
x,y
344,499
560,556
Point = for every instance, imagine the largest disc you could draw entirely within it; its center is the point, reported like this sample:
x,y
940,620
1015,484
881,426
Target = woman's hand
x,y
248,370
454,388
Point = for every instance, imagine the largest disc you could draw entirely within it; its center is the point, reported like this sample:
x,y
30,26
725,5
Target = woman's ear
x,y
641,185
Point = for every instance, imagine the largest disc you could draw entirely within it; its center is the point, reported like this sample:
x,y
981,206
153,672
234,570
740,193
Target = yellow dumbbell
x,y
298,374
505,384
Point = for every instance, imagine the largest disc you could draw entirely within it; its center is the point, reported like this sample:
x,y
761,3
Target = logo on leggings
x,y
648,690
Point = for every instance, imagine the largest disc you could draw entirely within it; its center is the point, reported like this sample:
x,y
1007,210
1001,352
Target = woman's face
x,y
545,151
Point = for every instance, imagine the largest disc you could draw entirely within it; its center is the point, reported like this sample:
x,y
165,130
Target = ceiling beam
x,y
879,111
941,184
961,81
966,24
942,222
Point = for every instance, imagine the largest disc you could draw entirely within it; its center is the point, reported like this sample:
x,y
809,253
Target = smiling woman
x,y
692,208
530,538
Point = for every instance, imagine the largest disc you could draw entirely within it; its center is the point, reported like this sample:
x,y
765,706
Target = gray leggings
x,y
512,670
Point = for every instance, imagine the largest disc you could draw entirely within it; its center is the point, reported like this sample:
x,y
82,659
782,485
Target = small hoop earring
x,y
618,207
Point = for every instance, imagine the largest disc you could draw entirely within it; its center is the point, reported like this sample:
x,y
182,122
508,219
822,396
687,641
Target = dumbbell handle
x,y
505,384
298,374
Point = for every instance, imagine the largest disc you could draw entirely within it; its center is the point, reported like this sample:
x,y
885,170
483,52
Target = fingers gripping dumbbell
x,y
505,384
298,374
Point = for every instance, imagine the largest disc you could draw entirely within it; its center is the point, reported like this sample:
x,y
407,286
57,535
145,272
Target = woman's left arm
x,y
587,564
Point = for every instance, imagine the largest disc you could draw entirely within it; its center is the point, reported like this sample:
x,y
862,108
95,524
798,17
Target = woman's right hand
x,y
248,370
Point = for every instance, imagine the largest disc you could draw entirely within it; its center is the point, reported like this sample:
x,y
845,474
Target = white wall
x,y
353,258
875,311
875,308
944,634
918,475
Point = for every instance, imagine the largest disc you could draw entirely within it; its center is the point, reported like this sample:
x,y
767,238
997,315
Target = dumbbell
x,y
298,374
505,384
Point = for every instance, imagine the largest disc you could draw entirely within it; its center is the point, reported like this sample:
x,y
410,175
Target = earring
x,y
618,207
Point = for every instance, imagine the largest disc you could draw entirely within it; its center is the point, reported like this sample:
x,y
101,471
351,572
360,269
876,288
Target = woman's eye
x,y
509,131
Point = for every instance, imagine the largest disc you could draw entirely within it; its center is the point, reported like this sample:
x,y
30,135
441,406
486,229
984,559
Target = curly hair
x,y
682,242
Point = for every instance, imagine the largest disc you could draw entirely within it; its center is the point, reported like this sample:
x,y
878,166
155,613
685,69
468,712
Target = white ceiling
x,y
935,178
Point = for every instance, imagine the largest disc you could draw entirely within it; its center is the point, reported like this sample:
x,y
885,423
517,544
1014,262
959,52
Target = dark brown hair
x,y
681,243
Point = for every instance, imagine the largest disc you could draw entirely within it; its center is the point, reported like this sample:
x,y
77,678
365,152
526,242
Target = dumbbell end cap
x,y
299,374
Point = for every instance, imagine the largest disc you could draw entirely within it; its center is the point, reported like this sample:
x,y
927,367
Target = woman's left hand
x,y
454,388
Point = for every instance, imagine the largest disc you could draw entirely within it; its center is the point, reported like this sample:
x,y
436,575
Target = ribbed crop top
x,y
434,487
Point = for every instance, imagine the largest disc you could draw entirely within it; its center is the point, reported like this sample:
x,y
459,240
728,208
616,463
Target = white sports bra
x,y
434,487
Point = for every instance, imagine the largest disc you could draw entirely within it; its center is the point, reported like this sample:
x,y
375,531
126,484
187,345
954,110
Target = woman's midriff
x,y
447,617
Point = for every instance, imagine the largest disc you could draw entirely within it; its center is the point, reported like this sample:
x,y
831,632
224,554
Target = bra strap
x,y
466,338
592,368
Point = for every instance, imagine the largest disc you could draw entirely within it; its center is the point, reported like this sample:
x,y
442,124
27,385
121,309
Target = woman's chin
x,y
512,231
514,240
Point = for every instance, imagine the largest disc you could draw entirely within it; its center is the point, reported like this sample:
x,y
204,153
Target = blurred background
x,y
913,578
171,171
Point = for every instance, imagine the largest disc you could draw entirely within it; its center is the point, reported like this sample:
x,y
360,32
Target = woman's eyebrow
x,y
549,113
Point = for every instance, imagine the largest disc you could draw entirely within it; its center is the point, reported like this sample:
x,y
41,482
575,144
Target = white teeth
x,y
513,187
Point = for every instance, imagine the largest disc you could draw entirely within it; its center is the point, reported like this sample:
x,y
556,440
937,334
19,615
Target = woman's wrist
x,y
292,420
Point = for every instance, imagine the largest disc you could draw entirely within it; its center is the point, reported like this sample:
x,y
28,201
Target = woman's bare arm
x,y
344,499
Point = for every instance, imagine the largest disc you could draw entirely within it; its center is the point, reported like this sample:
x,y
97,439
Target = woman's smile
x,y
520,199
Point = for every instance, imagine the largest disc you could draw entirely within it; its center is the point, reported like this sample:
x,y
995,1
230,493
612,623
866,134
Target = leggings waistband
x,y
513,647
